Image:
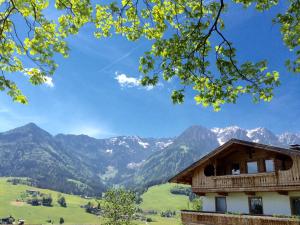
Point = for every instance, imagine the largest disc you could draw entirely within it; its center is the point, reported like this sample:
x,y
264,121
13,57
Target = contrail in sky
x,y
120,58
130,52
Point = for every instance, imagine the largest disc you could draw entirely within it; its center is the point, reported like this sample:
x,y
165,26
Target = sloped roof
x,y
189,170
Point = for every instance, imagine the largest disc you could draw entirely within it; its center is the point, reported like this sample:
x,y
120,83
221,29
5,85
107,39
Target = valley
x,y
78,165
157,199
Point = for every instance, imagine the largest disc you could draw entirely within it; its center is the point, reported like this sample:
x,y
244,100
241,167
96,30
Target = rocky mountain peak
x,y
225,134
263,135
195,133
29,131
289,138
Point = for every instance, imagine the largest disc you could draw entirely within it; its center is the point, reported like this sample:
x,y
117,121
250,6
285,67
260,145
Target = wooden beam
x,y
244,189
223,193
283,192
251,193
200,193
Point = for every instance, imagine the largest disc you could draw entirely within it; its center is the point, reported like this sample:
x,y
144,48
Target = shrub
x,y
47,200
62,201
197,204
168,213
149,219
61,220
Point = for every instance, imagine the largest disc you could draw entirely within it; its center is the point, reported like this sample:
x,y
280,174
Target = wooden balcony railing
x,y
246,180
243,182
210,218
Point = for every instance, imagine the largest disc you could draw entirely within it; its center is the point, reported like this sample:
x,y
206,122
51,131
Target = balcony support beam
x,y
283,192
200,193
223,193
250,188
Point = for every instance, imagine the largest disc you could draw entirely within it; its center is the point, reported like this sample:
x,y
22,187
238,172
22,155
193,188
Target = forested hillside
x,y
80,164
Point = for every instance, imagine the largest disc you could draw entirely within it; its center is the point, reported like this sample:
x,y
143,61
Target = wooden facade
x,y
280,180
203,218
244,167
285,175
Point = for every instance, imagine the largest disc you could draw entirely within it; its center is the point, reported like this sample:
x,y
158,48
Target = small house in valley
x,y
245,183
7,220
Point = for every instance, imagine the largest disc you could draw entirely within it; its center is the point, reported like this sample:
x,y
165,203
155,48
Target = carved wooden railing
x,y
208,218
242,181
246,180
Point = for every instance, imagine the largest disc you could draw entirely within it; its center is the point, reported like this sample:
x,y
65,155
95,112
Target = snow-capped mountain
x,y
289,138
129,160
225,134
193,144
259,135
114,155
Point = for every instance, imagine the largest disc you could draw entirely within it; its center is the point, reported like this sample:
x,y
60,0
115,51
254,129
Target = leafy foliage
x,y
197,204
181,32
185,35
119,206
290,28
41,42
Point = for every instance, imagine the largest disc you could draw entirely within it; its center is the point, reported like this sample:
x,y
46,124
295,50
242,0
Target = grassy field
x,y
39,214
157,198
160,198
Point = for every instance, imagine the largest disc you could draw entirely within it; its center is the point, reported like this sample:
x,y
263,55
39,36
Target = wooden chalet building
x,y
245,183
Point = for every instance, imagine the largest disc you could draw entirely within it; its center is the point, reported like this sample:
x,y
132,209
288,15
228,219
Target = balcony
x,y
271,181
211,218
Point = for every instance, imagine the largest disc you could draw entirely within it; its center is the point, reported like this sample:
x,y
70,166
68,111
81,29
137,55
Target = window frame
x,y
223,197
249,204
257,166
291,205
273,164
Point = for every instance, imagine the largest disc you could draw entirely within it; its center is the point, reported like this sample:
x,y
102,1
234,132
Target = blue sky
x,y
95,92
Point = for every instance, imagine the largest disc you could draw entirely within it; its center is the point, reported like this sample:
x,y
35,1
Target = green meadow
x,y
157,198
9,194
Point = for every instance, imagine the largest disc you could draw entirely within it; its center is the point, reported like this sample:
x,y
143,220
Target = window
x,y
255,205
295,206
235,169
252,167
221,205
209,170
269,165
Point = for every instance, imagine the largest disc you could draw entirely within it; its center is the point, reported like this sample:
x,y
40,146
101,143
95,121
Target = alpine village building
x,y
245,183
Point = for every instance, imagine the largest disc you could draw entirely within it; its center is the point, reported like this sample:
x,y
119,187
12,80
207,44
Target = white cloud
x,y
49,82
126,81
129,82
90,130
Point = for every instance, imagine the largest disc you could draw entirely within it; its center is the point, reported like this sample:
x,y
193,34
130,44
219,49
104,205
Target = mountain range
x,y
80,164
